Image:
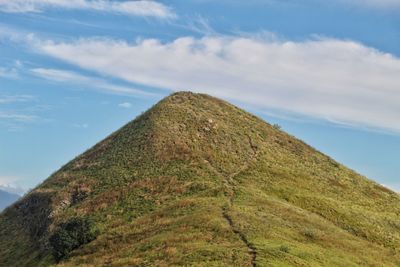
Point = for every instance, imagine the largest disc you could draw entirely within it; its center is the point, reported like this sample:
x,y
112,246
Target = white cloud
x,y
92,82
7,180
125,105
12,188
143,8
10,184
337,80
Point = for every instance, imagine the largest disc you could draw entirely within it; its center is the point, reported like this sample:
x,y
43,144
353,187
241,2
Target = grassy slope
x,y
196,181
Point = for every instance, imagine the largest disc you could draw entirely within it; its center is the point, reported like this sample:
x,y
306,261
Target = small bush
x,y
71,235
277,126
284,249
310,234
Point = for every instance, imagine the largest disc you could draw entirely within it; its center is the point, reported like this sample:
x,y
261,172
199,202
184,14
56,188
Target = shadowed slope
x,y
197,181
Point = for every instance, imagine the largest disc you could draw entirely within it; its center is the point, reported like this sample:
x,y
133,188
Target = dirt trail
x,y
230,180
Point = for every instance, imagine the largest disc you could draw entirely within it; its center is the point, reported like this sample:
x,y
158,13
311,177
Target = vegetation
x,y
71,235
277,126
195,181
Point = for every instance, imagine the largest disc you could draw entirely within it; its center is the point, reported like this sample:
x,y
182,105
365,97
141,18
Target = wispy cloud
x,y
372,3
13,70
142,8
91,82
13,34
198,24
10,73
125,105
81,125
9,99
340,81
17,117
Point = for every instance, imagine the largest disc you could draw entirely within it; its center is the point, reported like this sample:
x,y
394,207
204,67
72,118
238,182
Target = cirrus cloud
x,y
9,73
374,3
10,99
18,117
125,105
144,8
71,77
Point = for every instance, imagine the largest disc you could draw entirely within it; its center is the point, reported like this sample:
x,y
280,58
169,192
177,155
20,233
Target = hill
x,y
7,199
196,181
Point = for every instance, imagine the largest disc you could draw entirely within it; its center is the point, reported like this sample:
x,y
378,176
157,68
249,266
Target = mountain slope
x,y
197,181
6,199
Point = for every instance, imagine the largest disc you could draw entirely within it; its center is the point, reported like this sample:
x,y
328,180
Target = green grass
x,y
195,181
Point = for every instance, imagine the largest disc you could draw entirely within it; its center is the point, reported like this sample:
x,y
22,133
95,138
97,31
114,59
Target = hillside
x,y
7,199
196,181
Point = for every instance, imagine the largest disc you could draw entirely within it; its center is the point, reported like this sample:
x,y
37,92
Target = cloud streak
x,y
373,3
15,117
125,105
143,8
9,99
71,77
9,73
336,80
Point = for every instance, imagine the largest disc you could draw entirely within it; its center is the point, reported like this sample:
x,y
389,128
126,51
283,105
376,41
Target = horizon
x,y
71,74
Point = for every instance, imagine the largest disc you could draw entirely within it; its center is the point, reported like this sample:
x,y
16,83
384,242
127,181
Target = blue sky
x,y
72,72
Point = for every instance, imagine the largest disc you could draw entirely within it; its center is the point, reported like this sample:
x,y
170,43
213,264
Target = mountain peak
x,y
198,181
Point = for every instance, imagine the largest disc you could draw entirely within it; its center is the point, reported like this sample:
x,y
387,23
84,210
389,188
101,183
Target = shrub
x,y
71,235
310,234
277,126
284,248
